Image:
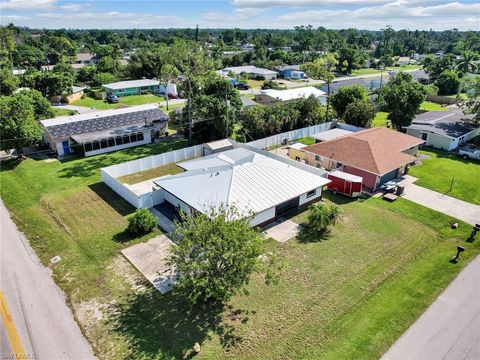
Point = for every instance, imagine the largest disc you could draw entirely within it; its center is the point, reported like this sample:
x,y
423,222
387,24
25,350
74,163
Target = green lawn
x,y
307,140
380,119
348,296
255,84
169,169
123,100
404,67
437,172
367,71
431,106
63,112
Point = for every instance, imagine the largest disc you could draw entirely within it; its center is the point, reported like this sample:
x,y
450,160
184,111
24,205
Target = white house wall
x,y
263,216
304,199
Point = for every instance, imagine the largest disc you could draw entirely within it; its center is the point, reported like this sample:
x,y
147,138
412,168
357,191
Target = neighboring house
x,y
247,47
403,60
295,151
378,155
136,87
443,130
247,102
259,184
251,71
86,59
77,94
104,131
271,96
290,72
330,134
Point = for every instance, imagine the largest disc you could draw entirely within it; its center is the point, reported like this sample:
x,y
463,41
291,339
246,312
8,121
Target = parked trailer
x,y
345,183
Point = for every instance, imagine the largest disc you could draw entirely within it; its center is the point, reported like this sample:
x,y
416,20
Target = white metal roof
x,y
218,144
131,84
249,69
229,157
331,134
255,185
290,94
346,176
96,114
298,145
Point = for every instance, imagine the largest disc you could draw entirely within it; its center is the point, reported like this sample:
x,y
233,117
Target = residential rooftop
x,y
331,134
131,84
248,69
291,94
453,124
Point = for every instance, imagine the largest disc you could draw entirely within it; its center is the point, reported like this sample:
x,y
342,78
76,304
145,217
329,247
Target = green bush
x,y
271,84
321,216
141,222
448,83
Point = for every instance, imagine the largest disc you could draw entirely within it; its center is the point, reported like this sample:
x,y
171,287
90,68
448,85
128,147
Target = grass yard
x,y
169,169
123,100
431,106
367,71
63,112
380,119
437,172
306,140
255,84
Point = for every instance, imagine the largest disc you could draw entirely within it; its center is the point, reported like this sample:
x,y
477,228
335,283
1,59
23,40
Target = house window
x,y
126,139
88,147
317,157
144,87
311,193
103,143
140,136
424,136
111,142
297,158
133,138
96,145
119,140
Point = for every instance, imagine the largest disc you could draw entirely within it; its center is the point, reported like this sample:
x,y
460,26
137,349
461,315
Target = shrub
x,y
321,216
141,222
271,84
448,83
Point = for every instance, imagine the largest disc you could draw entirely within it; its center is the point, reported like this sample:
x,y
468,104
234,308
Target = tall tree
x,y
347,95
323,69
467,62
403,97
360,113
167,74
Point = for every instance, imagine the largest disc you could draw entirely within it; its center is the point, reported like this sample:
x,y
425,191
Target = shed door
x,y
286,208
66,147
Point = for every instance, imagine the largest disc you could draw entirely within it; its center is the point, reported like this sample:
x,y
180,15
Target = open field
x,y
169,169
123,101
437,172
380,265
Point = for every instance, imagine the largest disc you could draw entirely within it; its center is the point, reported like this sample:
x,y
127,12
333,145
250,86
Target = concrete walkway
x,y
282,231
459,209
450,328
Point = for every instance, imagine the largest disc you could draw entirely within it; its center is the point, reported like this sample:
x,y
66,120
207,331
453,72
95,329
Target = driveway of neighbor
x,y
470,213
282,231
150,259
450,328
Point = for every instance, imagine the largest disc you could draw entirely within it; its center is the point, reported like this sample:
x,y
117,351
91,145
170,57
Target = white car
x,y
469,153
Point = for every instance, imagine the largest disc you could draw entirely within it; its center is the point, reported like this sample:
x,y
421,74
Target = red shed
x,y
345,183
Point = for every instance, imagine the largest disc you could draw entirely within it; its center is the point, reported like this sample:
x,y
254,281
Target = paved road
x,y
450,328
39,314
459,209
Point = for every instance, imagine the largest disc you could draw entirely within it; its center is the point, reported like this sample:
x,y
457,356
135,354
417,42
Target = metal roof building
x,y
256,182
104,131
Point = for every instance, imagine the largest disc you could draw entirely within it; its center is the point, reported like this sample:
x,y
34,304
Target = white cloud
x,y
15,17
26,4
296,3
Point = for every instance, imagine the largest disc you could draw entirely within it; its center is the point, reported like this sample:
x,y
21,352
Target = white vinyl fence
x,y
153,197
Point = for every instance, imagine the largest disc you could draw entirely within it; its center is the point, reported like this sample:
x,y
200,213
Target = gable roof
x,y
131,84
376,150
248,69
250,181
290,94
451,124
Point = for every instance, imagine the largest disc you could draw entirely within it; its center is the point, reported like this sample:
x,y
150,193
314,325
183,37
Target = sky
x,y
245,14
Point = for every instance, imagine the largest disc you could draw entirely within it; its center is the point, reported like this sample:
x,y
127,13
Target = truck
x,y
469,153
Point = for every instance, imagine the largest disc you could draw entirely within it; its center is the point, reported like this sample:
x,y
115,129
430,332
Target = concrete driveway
x,y
283,231
450,328
459,209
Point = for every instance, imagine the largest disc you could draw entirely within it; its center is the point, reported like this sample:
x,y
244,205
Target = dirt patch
x,y
122,267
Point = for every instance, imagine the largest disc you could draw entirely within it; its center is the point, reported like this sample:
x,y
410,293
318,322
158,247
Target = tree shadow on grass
x,y
307,235
166,326
115,201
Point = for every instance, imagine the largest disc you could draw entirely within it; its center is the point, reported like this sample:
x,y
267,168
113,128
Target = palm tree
x,y
467,62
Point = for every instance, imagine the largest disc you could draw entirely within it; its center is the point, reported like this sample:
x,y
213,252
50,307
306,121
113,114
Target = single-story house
x,y
378,155
264,186
104,131
290,72
443,130
403,60
86,59
135,87
271,96
330,134
251,71
77,94
295,151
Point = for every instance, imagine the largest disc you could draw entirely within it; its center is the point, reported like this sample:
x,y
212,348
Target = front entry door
x,y
66,147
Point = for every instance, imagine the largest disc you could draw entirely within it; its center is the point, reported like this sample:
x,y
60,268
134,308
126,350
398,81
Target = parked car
x,y
469,153
242,86
172,96
112,99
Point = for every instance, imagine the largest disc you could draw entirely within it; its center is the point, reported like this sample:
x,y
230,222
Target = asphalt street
x,y
35,317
